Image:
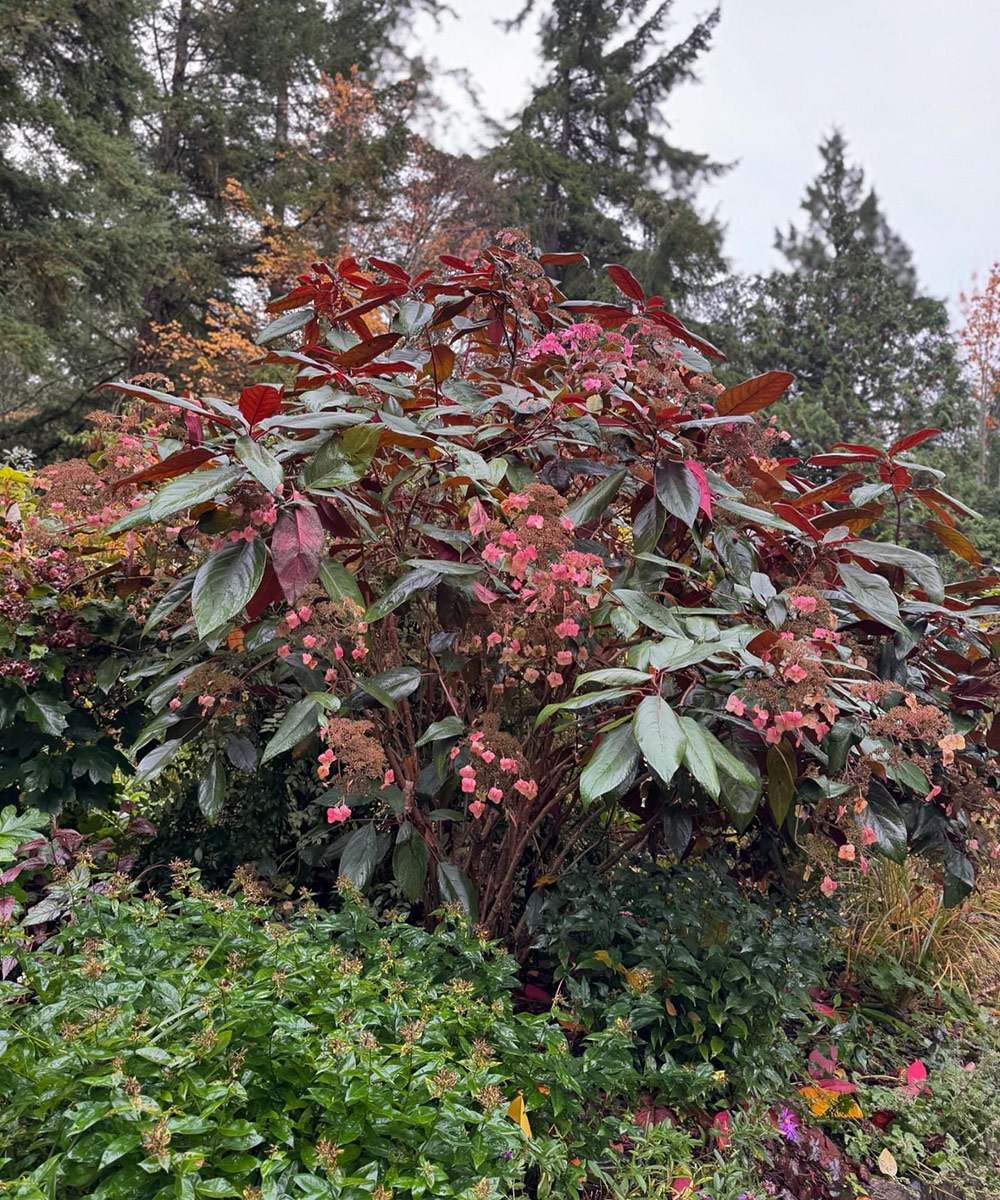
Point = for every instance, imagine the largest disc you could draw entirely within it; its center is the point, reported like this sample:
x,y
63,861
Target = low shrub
x,y
198,1046
703,970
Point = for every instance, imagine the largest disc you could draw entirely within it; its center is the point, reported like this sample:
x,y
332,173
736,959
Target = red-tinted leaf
x,y
176,464
753,394
683,334
608,316
857,448
145,393
836,489
956,542
911,440
704,491
364,352
457,264
297,549
567,259
838,460
625,281
720,1128
196,433
268,592
259,402
389,268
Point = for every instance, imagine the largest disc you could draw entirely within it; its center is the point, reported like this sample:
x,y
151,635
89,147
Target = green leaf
x,y
645,609
677,490
447,727
189,490
389,686
151,764
741,799
455,885
730,765
17,828
923,569
756,516
959,875
660,738
407,585
172,599
225,583
883,817
212,789
288,322
585,700
261,463
343,459
358,860
409,861
872,594
699,755
44,711
613,677
300,721
612,765
593,503
340,584
782,770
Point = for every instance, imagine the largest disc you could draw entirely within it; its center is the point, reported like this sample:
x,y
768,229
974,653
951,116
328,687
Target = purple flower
x,y
788,1123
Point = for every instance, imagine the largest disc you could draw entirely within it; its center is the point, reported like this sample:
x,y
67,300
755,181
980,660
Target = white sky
x,y
913,84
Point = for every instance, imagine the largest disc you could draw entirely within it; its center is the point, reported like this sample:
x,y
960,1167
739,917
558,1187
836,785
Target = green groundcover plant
x,y
194,1045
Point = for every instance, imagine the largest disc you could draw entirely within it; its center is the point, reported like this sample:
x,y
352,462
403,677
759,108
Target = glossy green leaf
x,y
594,502
225,583
340,584
358,859
677,490
883,817
660,737
343,459
454,885
410,857
406,586
299,722
923,569
699,755
189,490
612,765
872,594
212,789
261,463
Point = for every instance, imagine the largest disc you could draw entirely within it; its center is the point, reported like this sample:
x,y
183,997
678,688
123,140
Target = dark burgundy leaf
x,y
297,549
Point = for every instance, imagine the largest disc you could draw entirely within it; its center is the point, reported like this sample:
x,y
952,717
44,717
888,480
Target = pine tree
x,y
872,355
589,166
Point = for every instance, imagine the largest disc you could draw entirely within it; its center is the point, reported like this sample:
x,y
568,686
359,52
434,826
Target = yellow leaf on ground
x,y
887,1164
837,1104
518,1115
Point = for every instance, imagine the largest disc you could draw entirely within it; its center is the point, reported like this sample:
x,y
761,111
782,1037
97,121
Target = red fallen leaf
x,y
483,594
911,440
682,1184
720,1128
625,281
175,464
650,1115
753,394
259,402
882,1118
916,1073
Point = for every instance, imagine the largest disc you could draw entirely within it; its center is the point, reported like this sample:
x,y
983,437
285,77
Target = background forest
x,y
493,701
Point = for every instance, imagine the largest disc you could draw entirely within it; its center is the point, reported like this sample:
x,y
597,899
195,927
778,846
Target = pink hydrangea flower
x,y
477,808
340,813
735,706
527,787
804,604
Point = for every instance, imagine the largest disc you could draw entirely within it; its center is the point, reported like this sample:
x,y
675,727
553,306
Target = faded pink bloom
x,y
468,773
567,628
828,886
530,674
309,641
305,612
804,604
846,852
736,706
338,652
488,756
493,639
468,785
564,658
340,813
795,673
554,679
495,794
292,620
868,835
477,808
535,521
508,764
388,777
175,704
284,651
527,787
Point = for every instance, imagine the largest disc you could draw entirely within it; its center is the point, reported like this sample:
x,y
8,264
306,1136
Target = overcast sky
x,y
913,84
